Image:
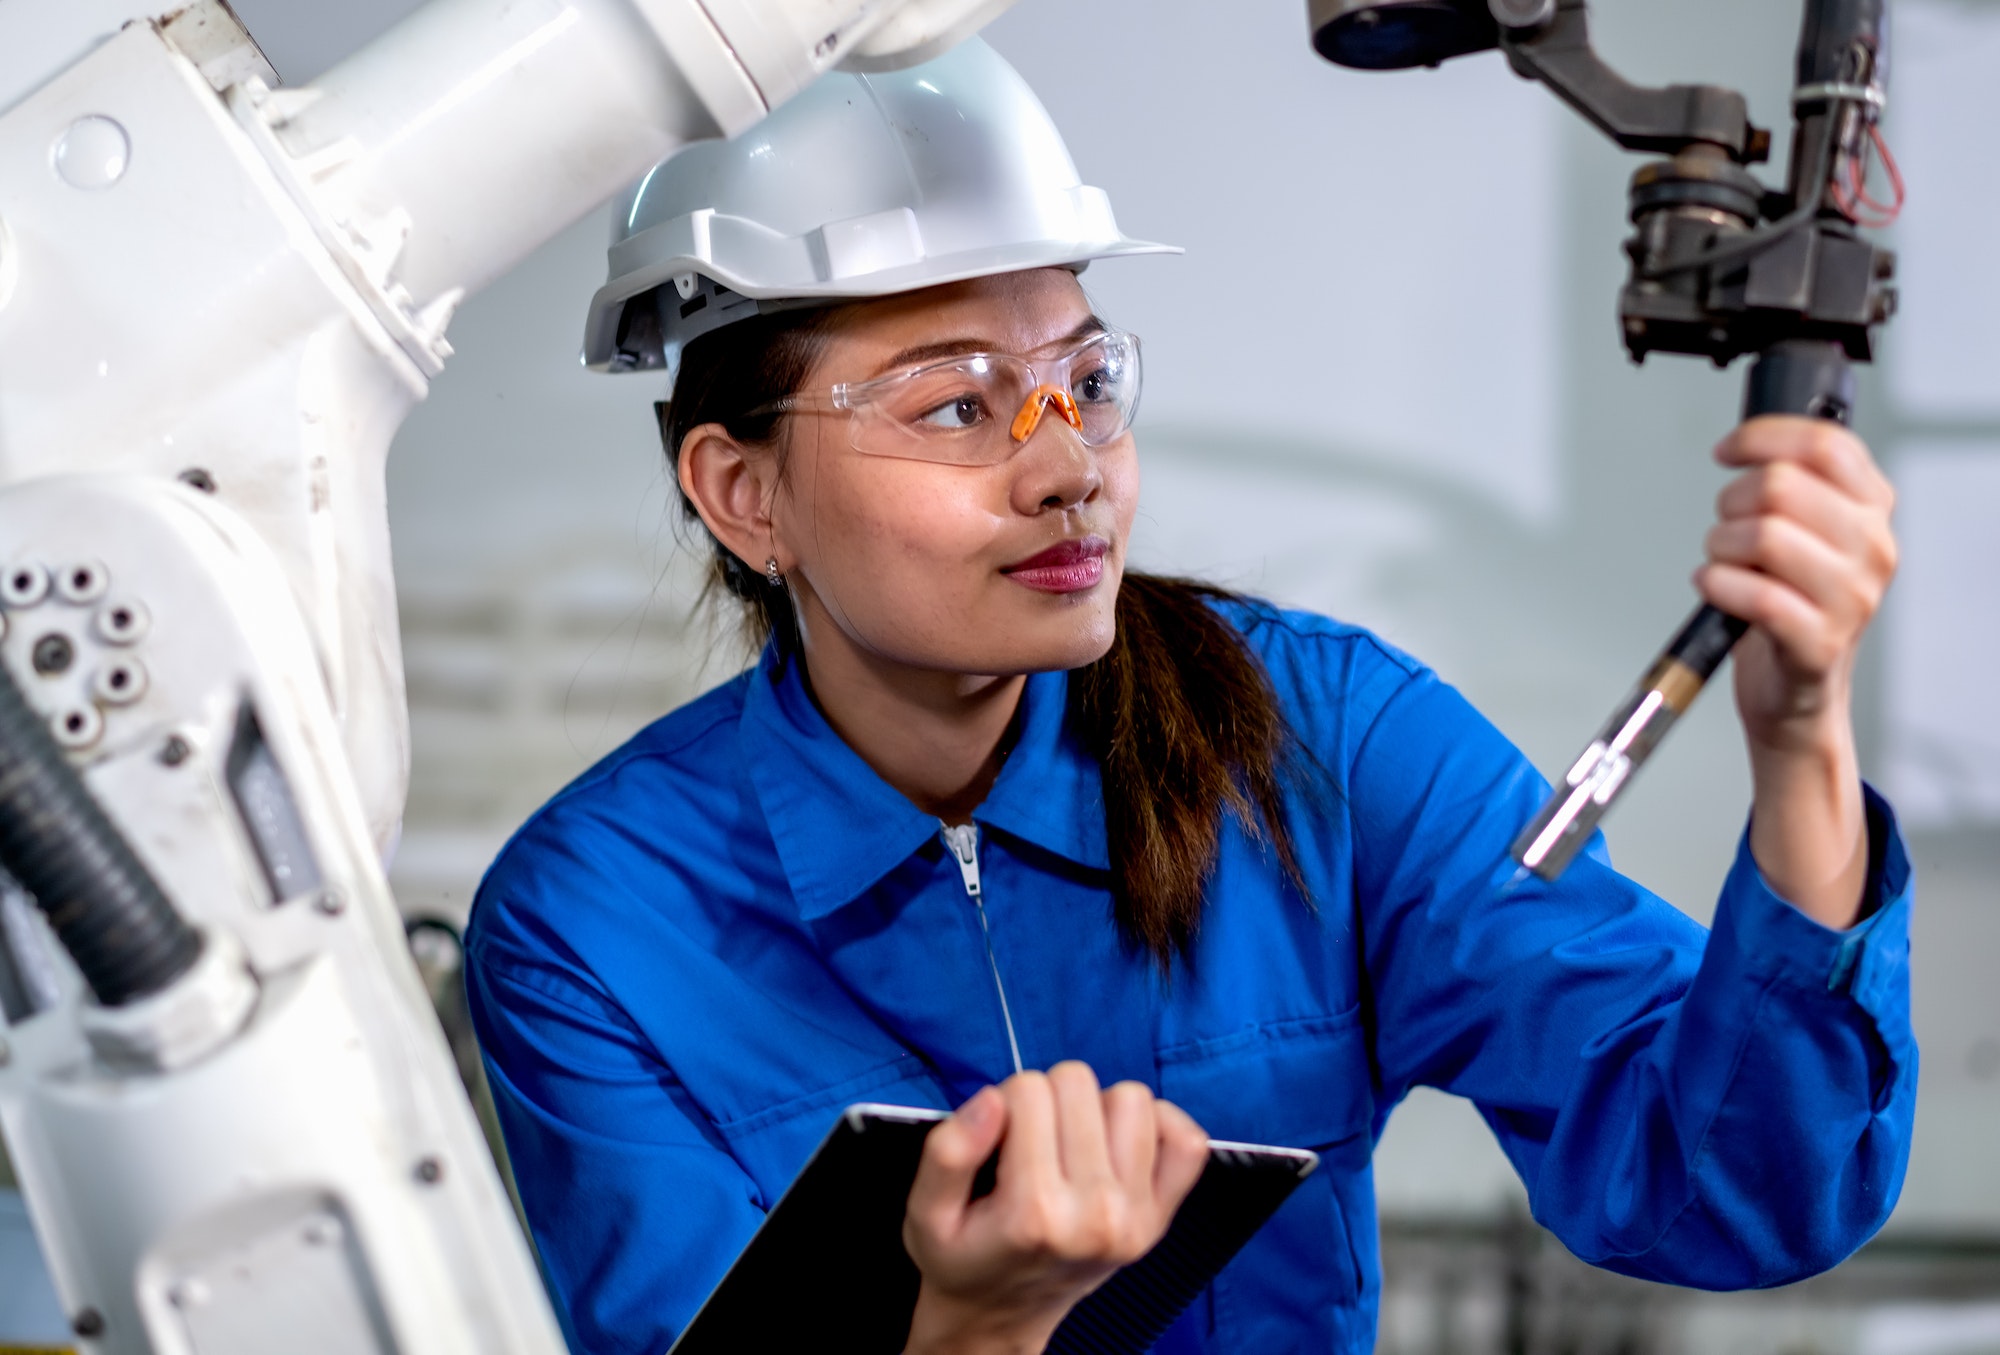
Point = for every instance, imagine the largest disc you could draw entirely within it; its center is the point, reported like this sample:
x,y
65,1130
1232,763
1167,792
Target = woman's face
x,y
947,567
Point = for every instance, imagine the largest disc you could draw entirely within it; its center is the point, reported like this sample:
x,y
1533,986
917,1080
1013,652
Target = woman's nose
x,y
1055,470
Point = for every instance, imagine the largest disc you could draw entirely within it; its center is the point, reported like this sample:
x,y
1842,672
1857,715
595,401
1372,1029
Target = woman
x,y
989,803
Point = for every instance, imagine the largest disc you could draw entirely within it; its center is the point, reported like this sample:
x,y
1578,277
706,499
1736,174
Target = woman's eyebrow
x,y
953,348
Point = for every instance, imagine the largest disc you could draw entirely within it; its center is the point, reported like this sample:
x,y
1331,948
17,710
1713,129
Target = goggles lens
x,y
978,410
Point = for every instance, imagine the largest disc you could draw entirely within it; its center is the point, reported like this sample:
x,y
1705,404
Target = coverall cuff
x,y
1770,937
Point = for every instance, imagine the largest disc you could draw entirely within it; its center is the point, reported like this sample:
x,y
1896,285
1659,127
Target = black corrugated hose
x,y
104,905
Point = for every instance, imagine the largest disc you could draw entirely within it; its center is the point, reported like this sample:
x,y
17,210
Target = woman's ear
x,y
732,486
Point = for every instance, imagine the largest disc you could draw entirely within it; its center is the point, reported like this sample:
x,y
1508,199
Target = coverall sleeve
x,y
635,1211
1721,1110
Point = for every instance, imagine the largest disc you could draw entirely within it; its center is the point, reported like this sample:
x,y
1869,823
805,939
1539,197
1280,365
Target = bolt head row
x,y
117,621
28,583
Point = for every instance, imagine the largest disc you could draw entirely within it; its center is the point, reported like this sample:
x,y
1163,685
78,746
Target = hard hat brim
x,y
601,331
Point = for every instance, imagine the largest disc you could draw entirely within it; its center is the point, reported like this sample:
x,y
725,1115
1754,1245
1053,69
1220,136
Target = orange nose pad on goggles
x,y
1030,417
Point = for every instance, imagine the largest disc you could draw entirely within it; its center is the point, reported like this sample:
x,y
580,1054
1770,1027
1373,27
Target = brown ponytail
x,y
1182,718
1180,713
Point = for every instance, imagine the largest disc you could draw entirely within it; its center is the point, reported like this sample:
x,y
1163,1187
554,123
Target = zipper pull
x,y
963,841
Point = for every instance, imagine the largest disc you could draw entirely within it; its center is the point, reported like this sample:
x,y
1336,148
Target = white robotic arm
x,y
218,300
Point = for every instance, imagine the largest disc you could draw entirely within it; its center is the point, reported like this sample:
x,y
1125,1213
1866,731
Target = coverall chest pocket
x,y
1293,1084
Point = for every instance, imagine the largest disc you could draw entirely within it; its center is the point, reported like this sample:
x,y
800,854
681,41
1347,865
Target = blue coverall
x,y
688,962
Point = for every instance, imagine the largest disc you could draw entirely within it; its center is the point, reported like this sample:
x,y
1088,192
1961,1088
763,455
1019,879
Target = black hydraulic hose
x,y
105,907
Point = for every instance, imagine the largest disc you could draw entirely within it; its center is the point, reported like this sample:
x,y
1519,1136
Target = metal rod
x,y
1792,377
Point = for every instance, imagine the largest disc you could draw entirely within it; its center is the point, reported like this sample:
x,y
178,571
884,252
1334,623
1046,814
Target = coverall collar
x,y
839,827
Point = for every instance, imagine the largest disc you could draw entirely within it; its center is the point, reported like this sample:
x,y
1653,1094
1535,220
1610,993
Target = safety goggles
x,y
978,409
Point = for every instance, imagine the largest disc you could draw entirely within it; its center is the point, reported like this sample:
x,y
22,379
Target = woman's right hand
x,y
1088,1182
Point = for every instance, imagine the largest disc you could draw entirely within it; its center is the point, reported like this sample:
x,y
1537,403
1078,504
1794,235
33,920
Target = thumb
x,y
1183,1155
953,1154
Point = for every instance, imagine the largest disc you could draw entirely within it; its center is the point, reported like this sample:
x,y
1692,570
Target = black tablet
x,y
827,1271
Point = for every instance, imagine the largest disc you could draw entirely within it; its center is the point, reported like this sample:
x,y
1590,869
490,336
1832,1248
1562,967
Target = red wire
x,y
1888,167
1852,196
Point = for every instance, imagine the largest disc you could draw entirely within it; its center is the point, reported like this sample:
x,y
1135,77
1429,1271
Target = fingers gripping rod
x,y
1722,267
1794,377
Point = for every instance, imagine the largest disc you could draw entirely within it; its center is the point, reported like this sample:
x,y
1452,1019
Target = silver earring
x,y
771,574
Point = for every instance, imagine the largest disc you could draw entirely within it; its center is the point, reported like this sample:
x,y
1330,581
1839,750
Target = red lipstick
x,y
1066,567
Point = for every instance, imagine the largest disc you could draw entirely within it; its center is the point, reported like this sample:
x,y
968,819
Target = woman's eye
x,y
1095,387
967,411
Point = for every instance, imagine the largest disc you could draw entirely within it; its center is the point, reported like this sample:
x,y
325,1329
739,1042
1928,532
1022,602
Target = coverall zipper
x,y
962,840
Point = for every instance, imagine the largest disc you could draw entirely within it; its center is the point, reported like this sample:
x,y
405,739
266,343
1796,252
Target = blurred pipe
x,y
494,124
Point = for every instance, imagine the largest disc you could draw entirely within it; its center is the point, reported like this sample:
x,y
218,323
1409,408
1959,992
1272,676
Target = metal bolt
x,y
119,683
175,751
53,654
78,726
330,903
430,1171
196,478
87,1322
122,621
82,582
25,585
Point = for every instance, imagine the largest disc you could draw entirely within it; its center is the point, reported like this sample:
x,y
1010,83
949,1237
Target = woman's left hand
x,y
1804,552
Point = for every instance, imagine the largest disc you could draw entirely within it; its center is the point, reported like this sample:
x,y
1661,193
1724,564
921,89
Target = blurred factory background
x,y
1384,384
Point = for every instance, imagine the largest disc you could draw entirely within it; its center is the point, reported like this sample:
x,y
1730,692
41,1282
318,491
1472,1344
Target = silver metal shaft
x,y
1547,845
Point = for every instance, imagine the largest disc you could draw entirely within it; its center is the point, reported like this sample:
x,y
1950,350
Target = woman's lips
x,y
1066,567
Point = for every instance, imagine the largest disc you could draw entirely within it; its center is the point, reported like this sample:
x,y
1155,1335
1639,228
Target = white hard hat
x,y
863,185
